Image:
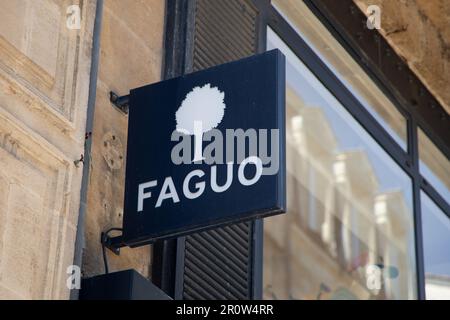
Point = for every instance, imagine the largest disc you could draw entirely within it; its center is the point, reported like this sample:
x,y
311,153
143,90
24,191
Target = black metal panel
x,y
222,263
122,285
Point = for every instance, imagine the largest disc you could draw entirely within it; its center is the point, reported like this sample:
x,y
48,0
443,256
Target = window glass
x,y
344,67
436,244
434,166
348,233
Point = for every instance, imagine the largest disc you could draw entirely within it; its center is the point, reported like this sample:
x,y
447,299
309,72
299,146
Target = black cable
x,y
105,260
103,240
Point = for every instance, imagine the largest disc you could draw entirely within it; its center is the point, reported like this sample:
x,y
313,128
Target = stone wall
x,y
44,84
130,56
419,31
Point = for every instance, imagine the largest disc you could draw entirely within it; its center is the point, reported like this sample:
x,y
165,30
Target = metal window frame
x,y
399,84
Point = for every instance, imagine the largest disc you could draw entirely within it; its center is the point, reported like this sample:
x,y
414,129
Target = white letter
x,y
74,280
172,194
200,186
259,168
142,196
214,186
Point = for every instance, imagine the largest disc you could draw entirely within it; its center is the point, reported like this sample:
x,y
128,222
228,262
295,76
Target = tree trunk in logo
x,y
198,141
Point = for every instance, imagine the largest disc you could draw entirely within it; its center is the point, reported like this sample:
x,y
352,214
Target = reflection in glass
x,y
436,244
348,233
434,166
344,67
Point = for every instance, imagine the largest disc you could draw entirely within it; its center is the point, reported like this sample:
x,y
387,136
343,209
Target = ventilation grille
x,y
224,31
217,263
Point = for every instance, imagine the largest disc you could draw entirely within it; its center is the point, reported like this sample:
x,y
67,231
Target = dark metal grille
x,y
224,31
217,263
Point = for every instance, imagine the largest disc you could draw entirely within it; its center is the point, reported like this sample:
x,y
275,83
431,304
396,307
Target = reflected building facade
x,y
348,233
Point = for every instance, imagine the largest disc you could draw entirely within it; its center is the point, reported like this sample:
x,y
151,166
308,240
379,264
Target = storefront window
x,y
434,166
344,67
436,243
348,233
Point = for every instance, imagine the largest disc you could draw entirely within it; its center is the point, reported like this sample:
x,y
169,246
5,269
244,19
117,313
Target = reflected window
x,y
436,244
344,67
348,233
434,166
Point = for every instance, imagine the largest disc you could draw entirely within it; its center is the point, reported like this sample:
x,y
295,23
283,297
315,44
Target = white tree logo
x,y
202,110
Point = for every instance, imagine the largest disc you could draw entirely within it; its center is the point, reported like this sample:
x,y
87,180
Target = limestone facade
x,y
44,82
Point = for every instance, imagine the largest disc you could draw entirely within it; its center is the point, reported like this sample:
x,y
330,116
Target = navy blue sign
x,y
206,149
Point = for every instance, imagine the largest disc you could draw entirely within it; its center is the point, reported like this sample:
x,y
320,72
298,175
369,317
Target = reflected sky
x,y
436,238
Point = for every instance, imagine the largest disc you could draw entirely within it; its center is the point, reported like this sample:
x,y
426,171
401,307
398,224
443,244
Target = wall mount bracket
x,y
120,102
112,243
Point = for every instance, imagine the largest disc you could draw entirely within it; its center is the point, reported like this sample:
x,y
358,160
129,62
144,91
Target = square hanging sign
x,y
206,149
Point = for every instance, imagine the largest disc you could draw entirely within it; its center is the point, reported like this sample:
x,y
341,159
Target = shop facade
x,y
367,155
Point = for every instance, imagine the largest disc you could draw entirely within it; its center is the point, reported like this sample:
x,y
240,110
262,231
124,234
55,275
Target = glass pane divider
x,y
413,150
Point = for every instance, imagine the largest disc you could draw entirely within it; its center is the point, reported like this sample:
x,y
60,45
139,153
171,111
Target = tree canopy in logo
x,y
202,110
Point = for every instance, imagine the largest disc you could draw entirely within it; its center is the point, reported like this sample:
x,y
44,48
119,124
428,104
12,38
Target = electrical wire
x,y
103,241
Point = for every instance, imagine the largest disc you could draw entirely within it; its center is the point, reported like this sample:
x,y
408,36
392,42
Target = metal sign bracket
x,y
120,102
112,243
